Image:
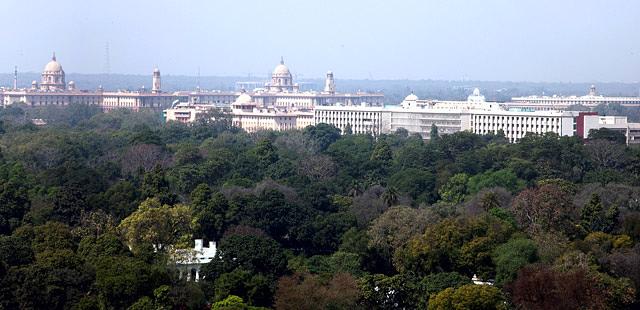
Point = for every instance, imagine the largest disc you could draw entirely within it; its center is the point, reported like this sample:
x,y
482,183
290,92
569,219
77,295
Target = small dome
x,y
476,92
53,65
72,83
34,82
156,70
411,97
243,99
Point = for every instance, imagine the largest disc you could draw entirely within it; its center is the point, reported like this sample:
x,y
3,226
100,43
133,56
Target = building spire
x,y
54,56
15,78
281,60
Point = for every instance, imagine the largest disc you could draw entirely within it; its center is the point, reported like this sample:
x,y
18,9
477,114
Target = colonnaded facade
x,y
281,92
54,91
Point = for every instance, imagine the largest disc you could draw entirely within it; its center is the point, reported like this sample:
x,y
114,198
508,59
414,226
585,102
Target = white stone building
x,y
516,124
52,91
361,119
190,261
282,92
475,115
245,114
592,99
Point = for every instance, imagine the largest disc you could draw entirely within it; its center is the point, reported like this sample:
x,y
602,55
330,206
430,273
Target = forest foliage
x,y
93,207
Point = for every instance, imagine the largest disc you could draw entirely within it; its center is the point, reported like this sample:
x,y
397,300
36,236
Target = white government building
x,y
592,99
54,91
278,106
475,115
416,116
281,92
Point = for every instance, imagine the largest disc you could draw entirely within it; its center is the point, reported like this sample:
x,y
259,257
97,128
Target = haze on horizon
x,y
501,40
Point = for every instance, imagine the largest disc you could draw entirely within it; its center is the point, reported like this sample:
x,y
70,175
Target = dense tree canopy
x,y
94,205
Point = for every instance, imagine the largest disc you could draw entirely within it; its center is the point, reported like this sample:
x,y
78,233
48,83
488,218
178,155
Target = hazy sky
x,y
532,40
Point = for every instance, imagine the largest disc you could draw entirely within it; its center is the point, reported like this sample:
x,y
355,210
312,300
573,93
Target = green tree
x,y
255,254
155,184
121,281
470,296
607,134
266,153
390,196
501,178
594,217
382,153
211,211
417,183
323,135
455,190
459,244
433,134
395,227
437,282
512,256
158,225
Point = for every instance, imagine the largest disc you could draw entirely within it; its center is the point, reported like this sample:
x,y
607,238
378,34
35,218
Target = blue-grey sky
x,y
524,40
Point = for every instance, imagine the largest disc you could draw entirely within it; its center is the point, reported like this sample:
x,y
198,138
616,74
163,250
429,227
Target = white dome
x,y
281,69
243,99
476,92
53,65
411,97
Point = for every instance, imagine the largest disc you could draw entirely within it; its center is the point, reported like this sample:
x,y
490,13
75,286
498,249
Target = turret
x,y
156,84
329,84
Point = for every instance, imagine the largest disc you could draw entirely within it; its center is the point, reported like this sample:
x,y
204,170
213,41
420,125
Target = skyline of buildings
x,y
280,104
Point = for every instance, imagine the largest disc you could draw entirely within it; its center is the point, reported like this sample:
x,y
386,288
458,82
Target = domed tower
x,y
330,84
281,78
53,76
156,84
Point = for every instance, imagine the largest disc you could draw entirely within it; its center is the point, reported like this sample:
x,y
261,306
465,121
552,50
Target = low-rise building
x,y
591,100
190,261
591,121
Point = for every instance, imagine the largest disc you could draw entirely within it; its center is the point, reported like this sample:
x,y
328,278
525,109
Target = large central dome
x,y
281,69
53,65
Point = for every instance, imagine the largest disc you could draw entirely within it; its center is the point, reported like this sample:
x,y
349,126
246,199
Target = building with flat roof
x,y
591,100
475,115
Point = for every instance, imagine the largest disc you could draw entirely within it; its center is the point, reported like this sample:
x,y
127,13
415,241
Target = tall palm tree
x,y
390,196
